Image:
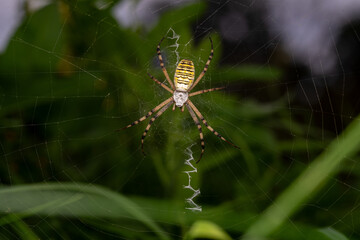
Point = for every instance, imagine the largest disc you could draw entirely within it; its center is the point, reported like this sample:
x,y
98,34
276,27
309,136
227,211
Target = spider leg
x,y
207,125
205,68
150,122
163,66
149,113
196,120
160,83
205,91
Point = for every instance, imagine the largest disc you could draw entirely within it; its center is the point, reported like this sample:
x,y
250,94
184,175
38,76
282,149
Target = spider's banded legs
x,y
150,122
149,113
163,66
205,68
160,83
196,120
207,125
205,91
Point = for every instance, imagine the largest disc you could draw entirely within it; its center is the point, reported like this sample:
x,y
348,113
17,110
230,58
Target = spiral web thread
x,y
192,205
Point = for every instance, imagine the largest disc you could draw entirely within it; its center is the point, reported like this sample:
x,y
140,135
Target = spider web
x,y
66,88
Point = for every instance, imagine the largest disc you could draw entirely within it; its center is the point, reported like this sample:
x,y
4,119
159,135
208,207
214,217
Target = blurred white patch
x,y
133,14
124,13
11,15
34,5
309,29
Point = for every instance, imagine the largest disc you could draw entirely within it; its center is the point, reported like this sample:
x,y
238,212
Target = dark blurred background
x,y
72,73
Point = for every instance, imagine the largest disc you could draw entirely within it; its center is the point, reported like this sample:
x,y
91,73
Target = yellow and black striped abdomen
x,y
184,75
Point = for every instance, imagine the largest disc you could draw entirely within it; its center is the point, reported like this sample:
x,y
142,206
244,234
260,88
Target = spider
x,y
184,83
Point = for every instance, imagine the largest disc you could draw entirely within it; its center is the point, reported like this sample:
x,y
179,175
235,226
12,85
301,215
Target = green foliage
x,y
208,230
308,183
74,200
71,77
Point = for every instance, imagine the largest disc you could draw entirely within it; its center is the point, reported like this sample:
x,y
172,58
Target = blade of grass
x,y
308,183
23,230
58,203
246,73
332,234
70,193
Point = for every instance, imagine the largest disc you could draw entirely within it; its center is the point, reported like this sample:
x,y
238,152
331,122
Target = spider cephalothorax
x,y
180,98
184,83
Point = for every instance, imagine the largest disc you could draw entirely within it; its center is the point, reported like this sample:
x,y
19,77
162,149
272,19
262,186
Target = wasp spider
x,y
184,83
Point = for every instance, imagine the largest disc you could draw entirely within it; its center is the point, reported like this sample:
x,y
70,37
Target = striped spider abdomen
x,y
184,75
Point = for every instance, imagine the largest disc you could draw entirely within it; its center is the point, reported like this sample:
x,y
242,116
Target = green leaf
x,y
308,183
69,199
246,73
332,234
208,230
24,230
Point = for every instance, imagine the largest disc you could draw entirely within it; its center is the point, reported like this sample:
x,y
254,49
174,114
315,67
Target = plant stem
x,y
308,183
